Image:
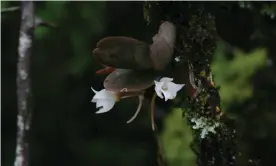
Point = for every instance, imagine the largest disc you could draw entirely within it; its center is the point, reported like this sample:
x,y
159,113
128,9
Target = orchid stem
x,y
152,104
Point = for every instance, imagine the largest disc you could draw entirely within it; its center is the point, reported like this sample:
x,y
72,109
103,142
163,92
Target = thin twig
x,y
38,21
10,9
23,82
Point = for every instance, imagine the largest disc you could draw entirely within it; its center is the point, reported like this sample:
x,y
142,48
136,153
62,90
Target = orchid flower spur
x,y
141,97
167,88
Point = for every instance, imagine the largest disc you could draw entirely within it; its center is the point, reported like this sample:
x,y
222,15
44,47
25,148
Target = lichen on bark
x,y
24,83
196,43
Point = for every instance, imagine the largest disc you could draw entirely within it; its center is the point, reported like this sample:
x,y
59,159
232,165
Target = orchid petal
x,y
175,87
167,95
105,100
166,79
158,89
106,106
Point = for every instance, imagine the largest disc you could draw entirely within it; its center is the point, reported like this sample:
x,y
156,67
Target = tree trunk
x,y
196,43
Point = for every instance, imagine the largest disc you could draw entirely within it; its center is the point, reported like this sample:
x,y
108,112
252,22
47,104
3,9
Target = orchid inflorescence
x,y
133,66
164,88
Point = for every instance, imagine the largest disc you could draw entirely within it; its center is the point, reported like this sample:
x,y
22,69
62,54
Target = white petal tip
x,y
101,111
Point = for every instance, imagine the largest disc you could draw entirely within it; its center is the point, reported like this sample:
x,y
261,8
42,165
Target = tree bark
x,y
23,82
196,43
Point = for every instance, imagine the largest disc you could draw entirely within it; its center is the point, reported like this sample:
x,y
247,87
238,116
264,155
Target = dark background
x,y
65,129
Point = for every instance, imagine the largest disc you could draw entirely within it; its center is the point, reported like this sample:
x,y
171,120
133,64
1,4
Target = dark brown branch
x,y
23,82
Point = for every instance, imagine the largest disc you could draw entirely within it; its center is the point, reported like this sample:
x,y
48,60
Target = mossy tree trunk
x,y
196,43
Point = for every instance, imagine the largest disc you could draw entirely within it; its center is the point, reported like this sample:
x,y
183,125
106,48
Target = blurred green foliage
x,y
65,130
89,21
233,76
175,140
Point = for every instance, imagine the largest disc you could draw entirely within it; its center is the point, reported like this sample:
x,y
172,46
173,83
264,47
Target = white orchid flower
x,y
105,100
167,88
